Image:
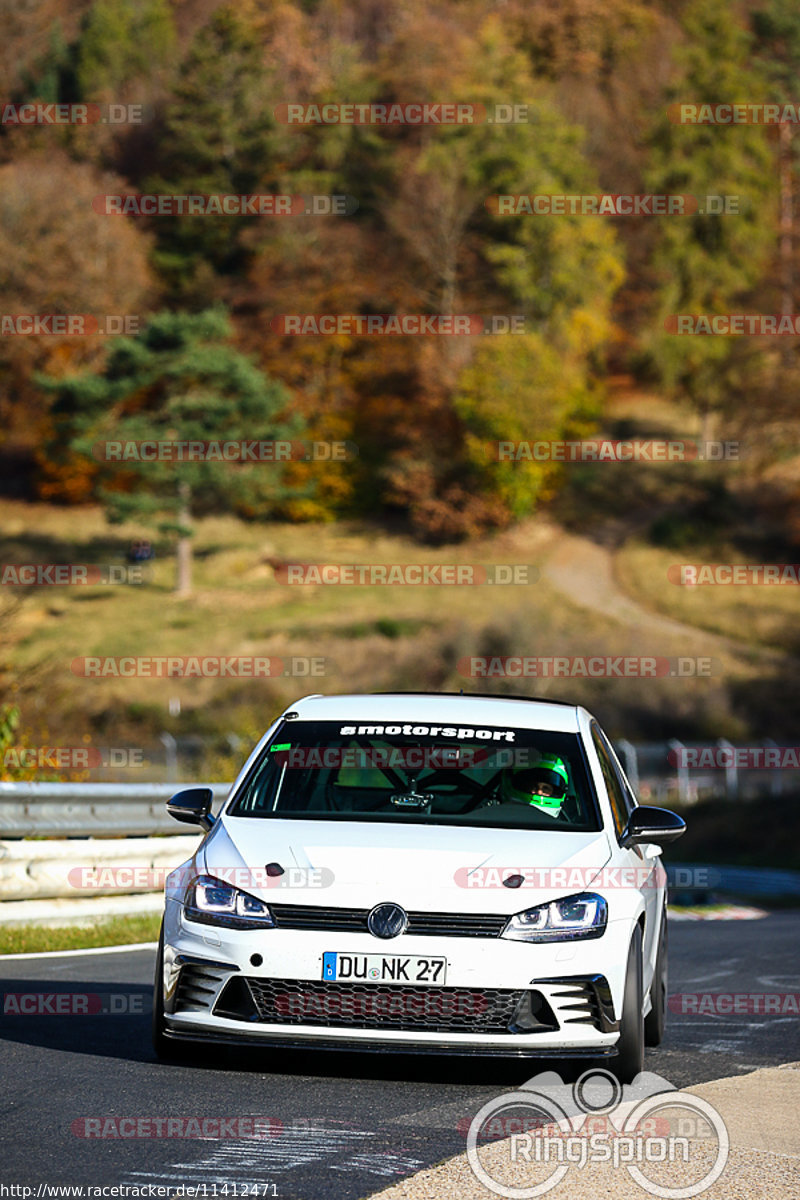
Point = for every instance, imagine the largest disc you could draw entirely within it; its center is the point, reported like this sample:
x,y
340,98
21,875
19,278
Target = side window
x,y
616,794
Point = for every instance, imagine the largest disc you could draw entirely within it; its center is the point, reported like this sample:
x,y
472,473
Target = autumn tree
x,y
58,256
554,274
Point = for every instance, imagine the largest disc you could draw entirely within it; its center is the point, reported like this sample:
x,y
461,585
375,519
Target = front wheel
x,y
160,1044
166,1049
629,1061
656,1018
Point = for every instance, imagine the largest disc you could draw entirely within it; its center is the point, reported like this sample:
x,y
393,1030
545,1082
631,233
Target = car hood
x,y
360,864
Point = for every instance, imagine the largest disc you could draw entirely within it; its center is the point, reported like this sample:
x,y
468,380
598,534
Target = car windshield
x,y
502,778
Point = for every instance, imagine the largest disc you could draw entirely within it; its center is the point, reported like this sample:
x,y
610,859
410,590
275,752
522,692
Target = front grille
x,y
354,920
378,1006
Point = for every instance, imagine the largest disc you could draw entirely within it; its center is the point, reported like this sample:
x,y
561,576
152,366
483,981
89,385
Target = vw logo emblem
x,y
387,921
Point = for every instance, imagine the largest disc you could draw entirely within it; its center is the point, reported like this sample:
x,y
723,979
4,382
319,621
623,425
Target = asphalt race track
x,y
344,1125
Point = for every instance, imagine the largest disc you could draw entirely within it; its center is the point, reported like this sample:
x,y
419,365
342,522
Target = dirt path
x,y
583,571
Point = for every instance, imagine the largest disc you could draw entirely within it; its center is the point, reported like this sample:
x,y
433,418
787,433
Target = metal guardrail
x,y
92,809
83,869
694,878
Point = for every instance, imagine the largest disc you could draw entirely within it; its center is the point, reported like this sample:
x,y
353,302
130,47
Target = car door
x,y
623,802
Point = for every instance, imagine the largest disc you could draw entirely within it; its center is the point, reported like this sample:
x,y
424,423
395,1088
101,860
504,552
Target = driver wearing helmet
x,y
543,786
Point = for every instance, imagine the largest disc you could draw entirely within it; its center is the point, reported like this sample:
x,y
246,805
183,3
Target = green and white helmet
x,y
544,786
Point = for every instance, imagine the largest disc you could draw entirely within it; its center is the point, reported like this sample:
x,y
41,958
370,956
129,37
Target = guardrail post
x,y
171,747
731,771
682,770
775,776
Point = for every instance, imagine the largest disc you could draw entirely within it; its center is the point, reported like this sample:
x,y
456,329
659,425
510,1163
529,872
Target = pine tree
x,y
217,137
177,380
123,40
708,263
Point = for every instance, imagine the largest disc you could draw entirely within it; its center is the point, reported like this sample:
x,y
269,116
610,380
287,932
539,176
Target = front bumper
x,y
501,997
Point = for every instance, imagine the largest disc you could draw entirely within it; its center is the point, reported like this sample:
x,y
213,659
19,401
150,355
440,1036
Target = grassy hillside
x,y
370,637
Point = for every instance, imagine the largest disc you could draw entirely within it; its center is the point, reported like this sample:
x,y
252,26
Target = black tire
x,y
629,1061
166,1049
655,1020
159,1040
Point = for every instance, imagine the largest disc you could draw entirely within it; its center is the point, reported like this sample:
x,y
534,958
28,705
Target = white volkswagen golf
x,y
422,872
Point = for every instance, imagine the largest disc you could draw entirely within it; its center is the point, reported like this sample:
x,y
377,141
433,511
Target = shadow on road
x,y
113,1021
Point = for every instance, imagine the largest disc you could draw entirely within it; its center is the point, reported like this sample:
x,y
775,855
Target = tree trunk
x,y
786,233
183,584
708,428
787,298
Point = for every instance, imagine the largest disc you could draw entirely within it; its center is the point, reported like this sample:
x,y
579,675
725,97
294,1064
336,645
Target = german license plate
x,y
383,968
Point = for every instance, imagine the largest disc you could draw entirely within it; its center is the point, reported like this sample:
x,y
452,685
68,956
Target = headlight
x,y
581,916
213,902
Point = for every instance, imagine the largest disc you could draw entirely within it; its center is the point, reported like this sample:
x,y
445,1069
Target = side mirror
x,y
647,824
192,806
